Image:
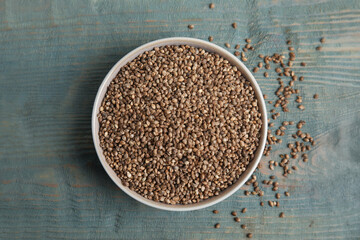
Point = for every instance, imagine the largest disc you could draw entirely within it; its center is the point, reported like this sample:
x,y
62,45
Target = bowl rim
x,y
210,47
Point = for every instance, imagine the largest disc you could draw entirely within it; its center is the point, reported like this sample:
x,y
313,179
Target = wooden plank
x,y
53,57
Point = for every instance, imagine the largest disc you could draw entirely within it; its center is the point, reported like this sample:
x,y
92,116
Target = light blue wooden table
x,y
53,57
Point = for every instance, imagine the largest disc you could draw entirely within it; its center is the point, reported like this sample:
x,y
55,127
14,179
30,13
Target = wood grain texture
x,y
53,57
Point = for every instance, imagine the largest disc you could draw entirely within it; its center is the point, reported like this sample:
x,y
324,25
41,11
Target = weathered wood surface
x,y
53,57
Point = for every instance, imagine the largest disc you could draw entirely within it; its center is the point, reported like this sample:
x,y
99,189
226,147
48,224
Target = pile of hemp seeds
x,y
302,143
179,125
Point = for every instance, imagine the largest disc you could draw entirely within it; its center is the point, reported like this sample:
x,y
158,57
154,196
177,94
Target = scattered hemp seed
x,y
244,210
300,124
301,78
261,56
301,107
303,64
318,48
248,40
277,195
288,42
316,96
237,53
249,235
255,69
262,204
211,38
227,45
243,226
291,48
281,215
322,40
234,25
233,213
237,46
237,219
292,56
211,5
287,194
215,211
191,26
217,225
266,74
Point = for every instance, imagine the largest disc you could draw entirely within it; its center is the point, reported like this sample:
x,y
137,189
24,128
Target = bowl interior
x,y
210,48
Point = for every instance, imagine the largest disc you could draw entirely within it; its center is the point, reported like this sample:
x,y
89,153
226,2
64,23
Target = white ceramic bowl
x,y
208,47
